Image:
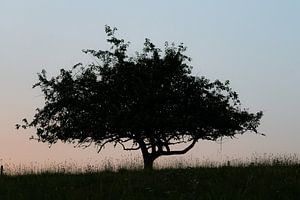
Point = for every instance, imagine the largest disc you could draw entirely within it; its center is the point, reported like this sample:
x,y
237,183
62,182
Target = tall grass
x,y
136,163
204,183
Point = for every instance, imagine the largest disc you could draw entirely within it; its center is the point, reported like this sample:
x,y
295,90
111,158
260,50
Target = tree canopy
x,y
149,102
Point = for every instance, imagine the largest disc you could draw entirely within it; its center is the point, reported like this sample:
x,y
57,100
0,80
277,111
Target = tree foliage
x,y
149,101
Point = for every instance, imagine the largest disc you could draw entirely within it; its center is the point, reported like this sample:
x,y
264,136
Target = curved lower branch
x,y
129,148
167,153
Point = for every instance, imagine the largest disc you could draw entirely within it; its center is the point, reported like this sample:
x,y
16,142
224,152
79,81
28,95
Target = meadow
x,y
277,178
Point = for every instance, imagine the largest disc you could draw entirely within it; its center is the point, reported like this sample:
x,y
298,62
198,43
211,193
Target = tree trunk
x,y
148,162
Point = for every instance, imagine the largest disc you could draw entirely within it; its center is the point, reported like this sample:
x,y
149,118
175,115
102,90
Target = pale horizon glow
x,y
254,44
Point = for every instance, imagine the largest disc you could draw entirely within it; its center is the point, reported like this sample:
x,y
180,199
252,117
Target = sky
x,y
254,44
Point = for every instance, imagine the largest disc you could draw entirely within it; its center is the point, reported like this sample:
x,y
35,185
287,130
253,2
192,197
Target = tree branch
x,y
108,140
167,153
129,149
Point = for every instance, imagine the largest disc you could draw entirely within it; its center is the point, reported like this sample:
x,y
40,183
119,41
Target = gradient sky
x,y
255,44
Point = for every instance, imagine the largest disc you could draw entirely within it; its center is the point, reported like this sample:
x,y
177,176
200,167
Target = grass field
x,y
254,181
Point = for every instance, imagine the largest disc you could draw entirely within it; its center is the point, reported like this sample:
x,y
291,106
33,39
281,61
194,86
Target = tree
x,y
148,102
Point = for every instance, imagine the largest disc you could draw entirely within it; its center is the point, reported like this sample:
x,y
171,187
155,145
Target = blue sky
x,y
255,44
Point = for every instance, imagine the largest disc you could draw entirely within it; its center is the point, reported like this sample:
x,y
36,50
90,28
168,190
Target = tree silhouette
x,y
148,102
